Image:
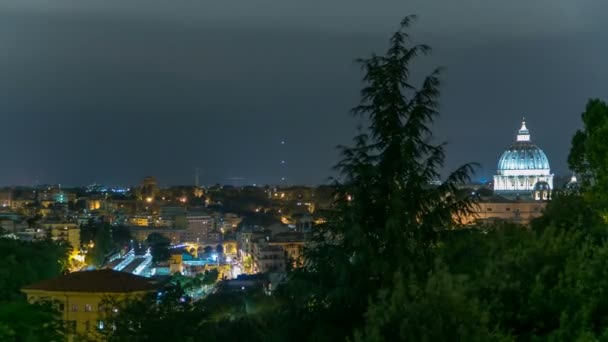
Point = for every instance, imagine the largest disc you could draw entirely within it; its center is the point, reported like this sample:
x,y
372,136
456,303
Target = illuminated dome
x,y
522,166
523,155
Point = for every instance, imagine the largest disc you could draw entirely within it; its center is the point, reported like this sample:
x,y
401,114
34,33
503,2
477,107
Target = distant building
x,y
5,199
292,244
244,283
498,209
149,189
7,215
94,203
199,227
150,182
268,258
246,237
68,234
175,236
62,197
522,185
278,228
124,206
79,296
31,234
64,231
19,203
173,215
141,220
229,247
230,222
523,170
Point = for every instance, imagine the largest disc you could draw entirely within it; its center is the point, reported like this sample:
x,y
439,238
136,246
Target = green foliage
x,y
570,211
544,283
159,247
219,317
201,279
106,239
121,236
20,321
102,245
242,201
438,310
468,251
24,263
146,319
387,215
260,219
589,152
31,221
210,277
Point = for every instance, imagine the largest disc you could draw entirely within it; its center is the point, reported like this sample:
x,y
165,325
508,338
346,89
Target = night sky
x,y
111,91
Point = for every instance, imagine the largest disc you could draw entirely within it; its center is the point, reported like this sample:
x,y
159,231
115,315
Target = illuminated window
x,y
87,308
74,307
100,325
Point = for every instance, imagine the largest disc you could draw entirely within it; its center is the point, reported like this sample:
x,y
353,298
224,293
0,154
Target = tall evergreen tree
x,y
388,210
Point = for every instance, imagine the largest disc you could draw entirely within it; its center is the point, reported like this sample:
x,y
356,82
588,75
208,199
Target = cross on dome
x,y
523,134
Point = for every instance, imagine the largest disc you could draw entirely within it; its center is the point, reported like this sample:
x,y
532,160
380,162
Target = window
x,y
508,209
100,308
87,308
74,307
61,306
489,209
100,325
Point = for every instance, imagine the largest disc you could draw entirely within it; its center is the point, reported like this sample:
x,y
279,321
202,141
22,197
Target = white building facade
x,y
523,169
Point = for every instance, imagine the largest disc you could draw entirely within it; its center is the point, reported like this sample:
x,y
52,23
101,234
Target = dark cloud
x,y
111,91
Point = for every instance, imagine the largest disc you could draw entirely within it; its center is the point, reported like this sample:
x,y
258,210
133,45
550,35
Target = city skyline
x,y
303,170
160,91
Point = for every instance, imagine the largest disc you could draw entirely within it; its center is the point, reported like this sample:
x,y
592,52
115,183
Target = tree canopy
x,y
588,155
159,247
24,263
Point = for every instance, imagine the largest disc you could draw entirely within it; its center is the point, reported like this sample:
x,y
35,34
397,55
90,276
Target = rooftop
x,y
289,237
95,281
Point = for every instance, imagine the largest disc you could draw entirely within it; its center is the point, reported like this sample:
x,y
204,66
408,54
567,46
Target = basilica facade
x,y
523,170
